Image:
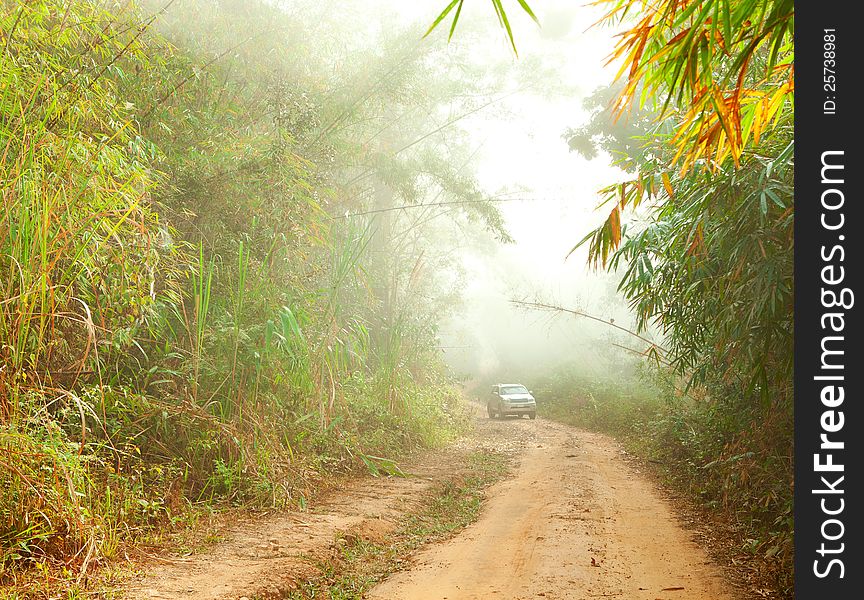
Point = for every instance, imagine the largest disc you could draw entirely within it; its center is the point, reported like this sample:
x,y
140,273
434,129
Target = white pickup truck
x,y
511,399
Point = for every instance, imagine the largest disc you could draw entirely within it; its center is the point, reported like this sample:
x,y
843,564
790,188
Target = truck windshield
x,y
513,389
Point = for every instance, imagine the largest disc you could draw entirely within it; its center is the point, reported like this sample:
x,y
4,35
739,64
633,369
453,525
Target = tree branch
x,y
553,308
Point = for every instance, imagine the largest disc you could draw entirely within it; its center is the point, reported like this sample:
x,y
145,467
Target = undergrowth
x,y
184,324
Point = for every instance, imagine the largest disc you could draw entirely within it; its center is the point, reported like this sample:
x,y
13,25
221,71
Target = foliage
x,y
710,259
713,267
500,13
624,139
726,65
708,256
75,210
188,316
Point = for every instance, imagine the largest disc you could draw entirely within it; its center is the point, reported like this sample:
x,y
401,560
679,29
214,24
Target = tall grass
x,y
76,274
154,358
202,285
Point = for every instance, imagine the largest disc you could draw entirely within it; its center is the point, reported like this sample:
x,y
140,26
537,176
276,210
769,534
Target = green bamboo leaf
x,y
528,10
443,14
499,8
727,21
455,20
775,198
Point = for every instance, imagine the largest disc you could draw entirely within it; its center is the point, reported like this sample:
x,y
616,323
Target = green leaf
x,y
775,198
455,20
443,14
528,10
502,15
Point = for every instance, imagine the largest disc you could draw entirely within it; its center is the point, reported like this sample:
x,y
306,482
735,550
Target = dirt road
x,y
574,521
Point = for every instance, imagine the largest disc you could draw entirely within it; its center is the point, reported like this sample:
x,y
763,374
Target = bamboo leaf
x,y
528,10
499,9
441,17
668,185
455,20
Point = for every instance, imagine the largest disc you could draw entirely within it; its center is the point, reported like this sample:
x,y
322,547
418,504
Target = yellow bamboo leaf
x,y
614,224
668,185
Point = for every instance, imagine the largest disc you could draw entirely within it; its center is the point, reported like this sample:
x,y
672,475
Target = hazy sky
x,y
522,147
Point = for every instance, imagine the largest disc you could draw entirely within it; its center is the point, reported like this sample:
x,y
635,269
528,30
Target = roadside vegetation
x,y
707,262
207,297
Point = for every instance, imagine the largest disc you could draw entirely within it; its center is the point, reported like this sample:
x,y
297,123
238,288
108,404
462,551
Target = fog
x,y
514,144
521,152
249,247
522,149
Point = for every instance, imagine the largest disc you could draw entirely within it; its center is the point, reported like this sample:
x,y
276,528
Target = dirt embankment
x,y
574,521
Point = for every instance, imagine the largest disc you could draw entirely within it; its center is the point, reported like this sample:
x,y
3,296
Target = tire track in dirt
x,y
575,522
